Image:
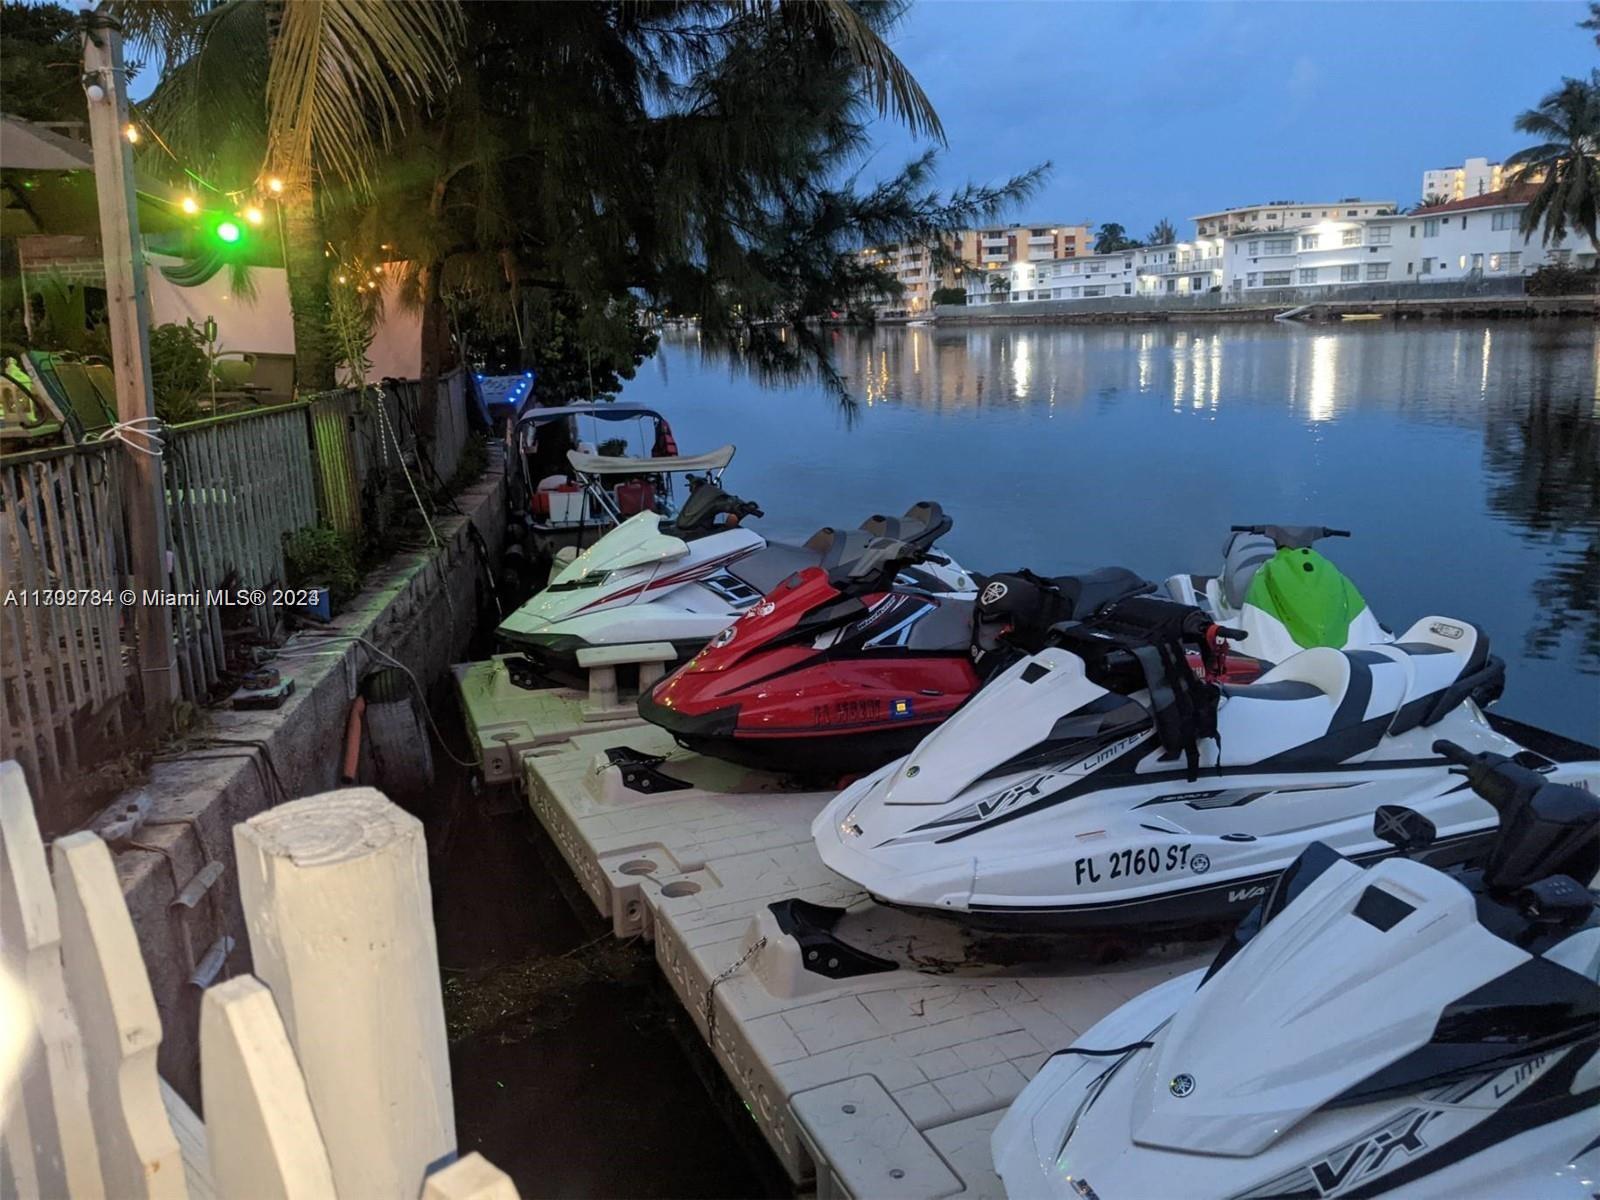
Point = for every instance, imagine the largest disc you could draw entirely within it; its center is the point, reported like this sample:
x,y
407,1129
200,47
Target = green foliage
x,y
613,448
180,371
1164,234
1113,237
581,353
1565,165
949,295
1554,280
41,70
319,555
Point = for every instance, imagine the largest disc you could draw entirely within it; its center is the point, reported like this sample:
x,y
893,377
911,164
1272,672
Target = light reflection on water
x,y
1466,458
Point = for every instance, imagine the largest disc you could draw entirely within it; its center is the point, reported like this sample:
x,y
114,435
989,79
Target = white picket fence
x,y
325,1075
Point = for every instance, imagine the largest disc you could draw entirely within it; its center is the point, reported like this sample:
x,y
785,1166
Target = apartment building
x,y
1181,268
992,248
1286,214
1475,177
980,249
1478,237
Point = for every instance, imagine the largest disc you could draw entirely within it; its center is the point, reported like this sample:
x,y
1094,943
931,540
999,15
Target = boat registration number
x,y
1148,860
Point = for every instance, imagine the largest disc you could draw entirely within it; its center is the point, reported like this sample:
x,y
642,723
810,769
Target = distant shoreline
x,y
1067,312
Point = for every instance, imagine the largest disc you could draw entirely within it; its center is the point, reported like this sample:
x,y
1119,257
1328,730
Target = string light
x,y
342,279
275,185
131,132
254,215
229,232
189,205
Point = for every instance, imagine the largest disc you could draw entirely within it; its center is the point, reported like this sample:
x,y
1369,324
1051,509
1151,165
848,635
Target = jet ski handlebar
x,y
1292,537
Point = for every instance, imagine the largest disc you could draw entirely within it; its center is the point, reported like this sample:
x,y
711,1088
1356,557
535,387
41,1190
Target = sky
x,y
1151,110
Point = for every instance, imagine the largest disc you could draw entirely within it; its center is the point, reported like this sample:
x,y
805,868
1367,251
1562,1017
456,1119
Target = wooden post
x,y
263,1139
336,900
139,1157
128,315
49,1135
473,1178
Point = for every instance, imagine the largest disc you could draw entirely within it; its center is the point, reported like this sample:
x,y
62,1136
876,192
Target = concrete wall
x,y
421,609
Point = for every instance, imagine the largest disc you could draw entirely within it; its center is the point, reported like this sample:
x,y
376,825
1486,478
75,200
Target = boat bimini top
x,y
713,462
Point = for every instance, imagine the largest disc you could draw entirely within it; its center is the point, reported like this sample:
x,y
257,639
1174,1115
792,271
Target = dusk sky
x,y
1167,110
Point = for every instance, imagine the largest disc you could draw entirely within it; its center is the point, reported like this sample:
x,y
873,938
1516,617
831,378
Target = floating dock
x,y
879,1085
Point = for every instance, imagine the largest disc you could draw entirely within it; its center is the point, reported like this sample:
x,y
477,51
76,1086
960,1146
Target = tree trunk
x,y
316,351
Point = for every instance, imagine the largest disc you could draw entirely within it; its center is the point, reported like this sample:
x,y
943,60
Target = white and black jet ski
x,y
1387,1031
1101,784
684,580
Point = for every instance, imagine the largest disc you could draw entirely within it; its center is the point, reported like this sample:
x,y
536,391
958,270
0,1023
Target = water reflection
x,y
1466,456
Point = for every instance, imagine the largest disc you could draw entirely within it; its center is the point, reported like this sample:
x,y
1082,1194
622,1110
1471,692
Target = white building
x,y
1181,268
1476,238
1286,214
1082,277
1475,177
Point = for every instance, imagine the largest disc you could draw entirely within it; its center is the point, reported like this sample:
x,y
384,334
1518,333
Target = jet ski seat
x,y
767,568
1090,591
1324,707
922,524
1242,556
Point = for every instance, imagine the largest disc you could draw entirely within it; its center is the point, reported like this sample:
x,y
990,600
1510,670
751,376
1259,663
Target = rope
x,y
143,434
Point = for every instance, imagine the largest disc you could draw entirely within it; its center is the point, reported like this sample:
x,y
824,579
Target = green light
x,y
229,232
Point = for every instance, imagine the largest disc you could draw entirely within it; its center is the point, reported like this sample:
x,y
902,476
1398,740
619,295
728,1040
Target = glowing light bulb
x,y
229,232
131,133
189,205
342,279
254,215
275,185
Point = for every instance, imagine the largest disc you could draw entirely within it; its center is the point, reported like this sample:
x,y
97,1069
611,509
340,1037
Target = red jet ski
x,y
846,665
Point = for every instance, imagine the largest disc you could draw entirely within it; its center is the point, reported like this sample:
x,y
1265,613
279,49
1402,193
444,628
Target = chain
x,y
711,992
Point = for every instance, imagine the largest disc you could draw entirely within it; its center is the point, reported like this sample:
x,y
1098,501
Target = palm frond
x,y
344,76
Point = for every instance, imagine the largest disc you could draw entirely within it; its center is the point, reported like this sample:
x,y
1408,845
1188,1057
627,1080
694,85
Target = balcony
x,y
1194,266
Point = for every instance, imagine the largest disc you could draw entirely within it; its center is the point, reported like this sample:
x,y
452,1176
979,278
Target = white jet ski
x,y
1387,1031
684,580
1101,784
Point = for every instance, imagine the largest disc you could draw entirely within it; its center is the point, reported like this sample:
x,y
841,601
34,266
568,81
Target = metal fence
x,y
235,486
62,563
357,434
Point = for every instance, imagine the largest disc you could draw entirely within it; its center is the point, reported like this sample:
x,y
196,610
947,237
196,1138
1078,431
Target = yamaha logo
x,y
993,594
1443,629
1181,1085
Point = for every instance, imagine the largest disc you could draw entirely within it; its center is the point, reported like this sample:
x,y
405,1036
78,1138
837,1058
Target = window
x,y
1430,227
1279,245
1495,262
1378,235
1377,271
1255,249
1308,241
1462,262
1199,283
1275,279
1308,274
1350,212
1349,273
1305,214
1127,289
1505,219
1351,237
1250,279
1514,261
1094,291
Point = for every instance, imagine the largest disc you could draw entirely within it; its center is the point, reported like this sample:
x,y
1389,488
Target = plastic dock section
x,y
885,1084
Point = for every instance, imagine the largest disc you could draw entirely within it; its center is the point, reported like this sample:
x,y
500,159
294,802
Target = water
x,y
1465,458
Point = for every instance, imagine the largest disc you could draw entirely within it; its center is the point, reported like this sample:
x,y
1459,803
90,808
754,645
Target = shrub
x,y
180,371
949,295
1556,280
317,554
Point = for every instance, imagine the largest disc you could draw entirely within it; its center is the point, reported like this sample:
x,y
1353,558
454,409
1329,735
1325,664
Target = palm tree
x,y
1593,21
1164,234
1566,165
1431,200
1111,238
301,96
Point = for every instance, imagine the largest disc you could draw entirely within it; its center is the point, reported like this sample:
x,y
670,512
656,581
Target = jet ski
x,y
1285,596
1100,785
842,666
680,580
1367,1031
